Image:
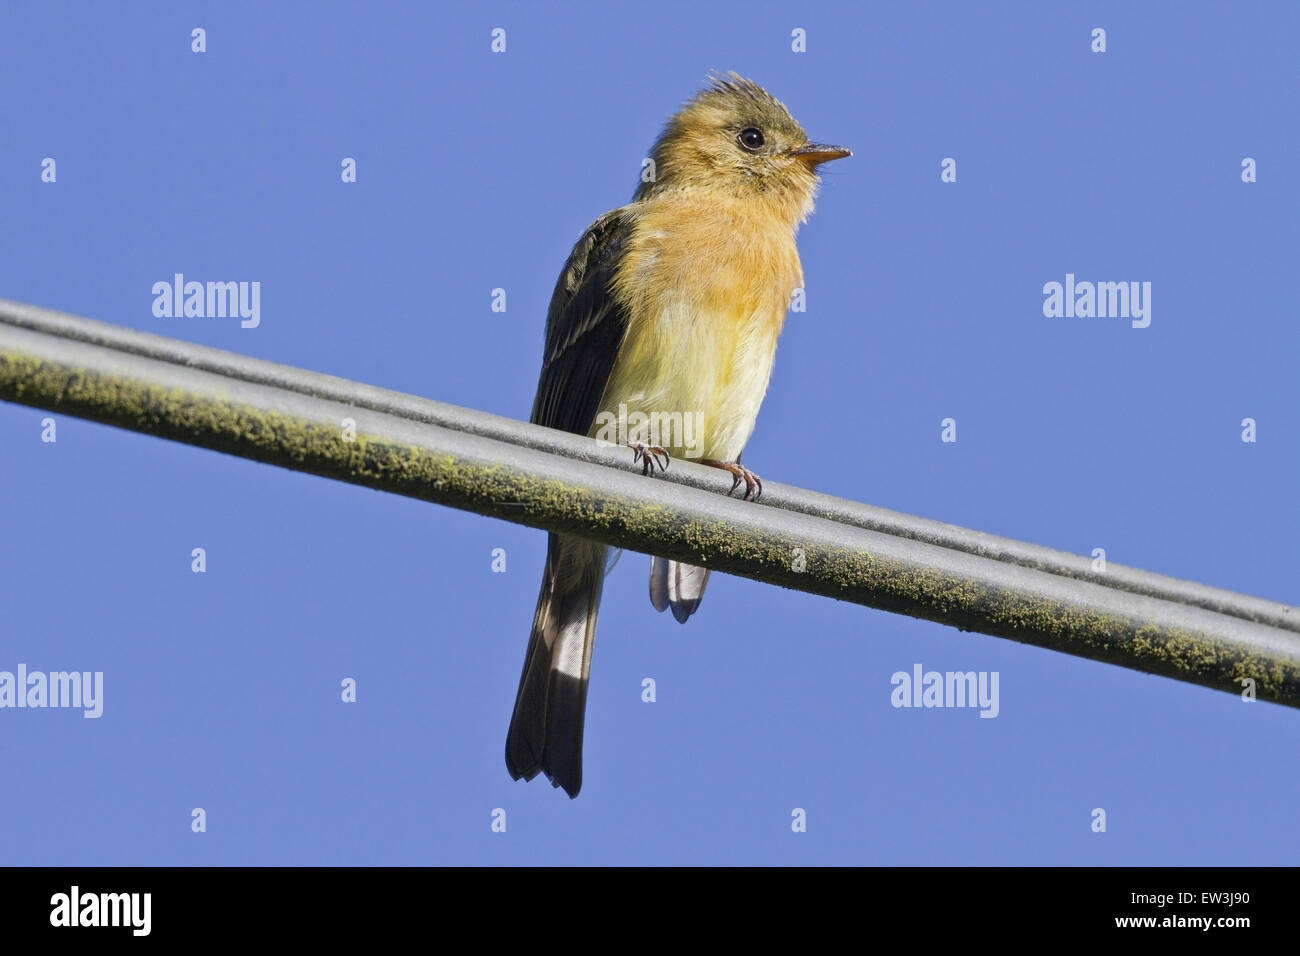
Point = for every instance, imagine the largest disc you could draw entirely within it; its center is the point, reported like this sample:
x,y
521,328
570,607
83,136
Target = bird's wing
x,y
584,328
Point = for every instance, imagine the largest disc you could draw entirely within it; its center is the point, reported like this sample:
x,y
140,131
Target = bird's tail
x,y
546,727
676,585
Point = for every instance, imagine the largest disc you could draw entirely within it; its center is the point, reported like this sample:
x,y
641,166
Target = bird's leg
x,y
650,455
739,473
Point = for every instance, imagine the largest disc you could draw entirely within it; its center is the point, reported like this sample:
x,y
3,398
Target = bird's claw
x,y
739,473
649,455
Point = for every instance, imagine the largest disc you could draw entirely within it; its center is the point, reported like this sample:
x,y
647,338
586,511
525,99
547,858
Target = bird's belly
x,y
692,379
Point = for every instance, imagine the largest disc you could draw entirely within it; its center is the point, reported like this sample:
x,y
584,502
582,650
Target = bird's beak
x,y
814,154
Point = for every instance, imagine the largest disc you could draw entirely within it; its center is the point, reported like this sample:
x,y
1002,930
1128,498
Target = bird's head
x,y
737,137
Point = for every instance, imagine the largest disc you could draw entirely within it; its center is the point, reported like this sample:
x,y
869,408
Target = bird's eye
x,y
751,139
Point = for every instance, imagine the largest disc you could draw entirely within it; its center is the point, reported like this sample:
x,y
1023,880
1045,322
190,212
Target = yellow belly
x,y
707,295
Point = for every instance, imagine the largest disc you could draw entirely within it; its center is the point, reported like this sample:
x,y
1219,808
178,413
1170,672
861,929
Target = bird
x,y
670,304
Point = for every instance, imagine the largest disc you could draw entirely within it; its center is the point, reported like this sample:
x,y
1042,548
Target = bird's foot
x,y
739,473
649,455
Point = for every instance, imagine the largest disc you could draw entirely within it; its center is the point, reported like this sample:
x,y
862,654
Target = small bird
x,y
670,304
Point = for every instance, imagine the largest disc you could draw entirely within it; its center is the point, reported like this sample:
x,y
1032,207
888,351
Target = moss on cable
x,y
503,491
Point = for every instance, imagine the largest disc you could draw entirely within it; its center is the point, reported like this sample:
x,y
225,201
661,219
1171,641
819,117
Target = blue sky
x,y
477,171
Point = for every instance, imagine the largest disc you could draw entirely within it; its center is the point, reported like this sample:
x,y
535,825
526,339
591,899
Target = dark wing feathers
x,y
584,328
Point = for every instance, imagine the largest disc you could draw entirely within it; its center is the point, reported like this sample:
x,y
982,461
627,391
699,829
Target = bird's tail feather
x,y
546,727
676,585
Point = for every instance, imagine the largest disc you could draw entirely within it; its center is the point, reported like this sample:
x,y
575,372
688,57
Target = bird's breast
x,y
706,289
